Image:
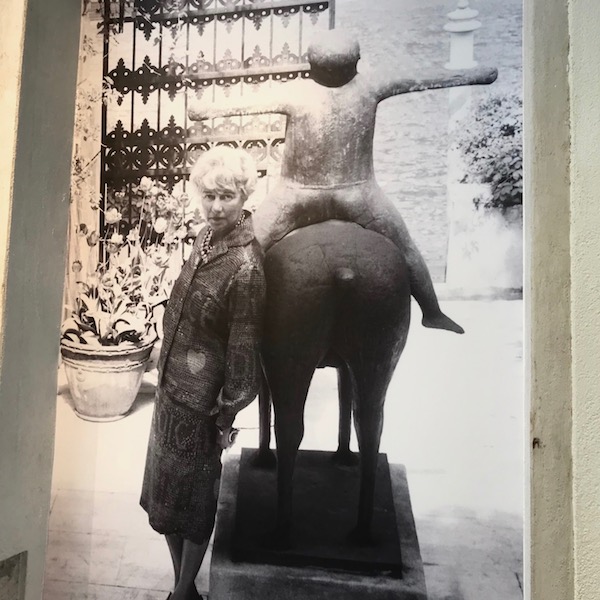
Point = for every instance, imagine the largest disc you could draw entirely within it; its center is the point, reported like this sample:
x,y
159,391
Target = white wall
x,y
584,77
38,66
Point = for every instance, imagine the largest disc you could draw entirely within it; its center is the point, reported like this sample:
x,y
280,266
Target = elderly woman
x,y
209,367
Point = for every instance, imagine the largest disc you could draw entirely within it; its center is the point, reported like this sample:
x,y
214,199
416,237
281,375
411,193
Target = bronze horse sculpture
x,y
340,263
338,295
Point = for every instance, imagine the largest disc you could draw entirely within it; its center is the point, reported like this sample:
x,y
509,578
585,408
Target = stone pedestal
x,y
314,569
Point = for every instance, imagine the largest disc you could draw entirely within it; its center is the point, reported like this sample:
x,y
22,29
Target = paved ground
x,y
454,417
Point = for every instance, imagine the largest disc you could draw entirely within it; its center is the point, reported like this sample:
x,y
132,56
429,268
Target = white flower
x,y
146,184
160,225
116,238
112,215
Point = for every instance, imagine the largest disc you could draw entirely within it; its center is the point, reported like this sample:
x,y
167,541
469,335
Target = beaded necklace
x,y
206,246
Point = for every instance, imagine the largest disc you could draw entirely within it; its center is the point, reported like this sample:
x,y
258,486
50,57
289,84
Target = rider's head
x,y
333,57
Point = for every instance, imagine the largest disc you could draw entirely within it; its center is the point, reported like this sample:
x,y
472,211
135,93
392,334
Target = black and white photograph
x,y
291,352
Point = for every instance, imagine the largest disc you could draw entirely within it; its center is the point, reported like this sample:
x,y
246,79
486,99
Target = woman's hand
x,y
226,437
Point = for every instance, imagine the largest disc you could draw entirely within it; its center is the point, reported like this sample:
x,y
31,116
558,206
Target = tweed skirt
x,y
183,469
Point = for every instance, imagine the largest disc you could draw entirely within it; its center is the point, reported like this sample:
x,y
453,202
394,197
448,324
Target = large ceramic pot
x,y
104,381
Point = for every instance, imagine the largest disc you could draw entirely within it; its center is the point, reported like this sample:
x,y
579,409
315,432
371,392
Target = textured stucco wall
x,y
11,41
547,296
563,165
584,78
38,69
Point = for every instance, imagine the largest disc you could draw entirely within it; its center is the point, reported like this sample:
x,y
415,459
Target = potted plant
x,y
109,333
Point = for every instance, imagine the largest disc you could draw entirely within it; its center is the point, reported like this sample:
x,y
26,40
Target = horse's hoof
x,y
345,458
264,459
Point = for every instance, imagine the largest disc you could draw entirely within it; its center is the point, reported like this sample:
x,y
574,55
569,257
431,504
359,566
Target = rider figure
x,y
327,166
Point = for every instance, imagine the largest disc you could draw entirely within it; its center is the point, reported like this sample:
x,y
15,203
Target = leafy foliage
x,y
143,229
105,314
491,143
115,299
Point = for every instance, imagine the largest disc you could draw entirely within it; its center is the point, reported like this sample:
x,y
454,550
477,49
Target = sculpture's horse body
x,y
338,295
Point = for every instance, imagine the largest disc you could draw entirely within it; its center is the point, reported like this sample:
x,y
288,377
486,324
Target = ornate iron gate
x,y
158,54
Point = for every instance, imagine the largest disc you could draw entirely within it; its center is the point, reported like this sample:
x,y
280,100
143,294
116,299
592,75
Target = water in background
x,y
411,138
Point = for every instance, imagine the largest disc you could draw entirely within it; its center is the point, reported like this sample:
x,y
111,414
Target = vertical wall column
x,y
584,84
38,60
462,25
549,543
463,269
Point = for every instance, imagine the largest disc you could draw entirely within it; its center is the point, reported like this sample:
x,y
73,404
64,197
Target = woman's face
x,y
222,209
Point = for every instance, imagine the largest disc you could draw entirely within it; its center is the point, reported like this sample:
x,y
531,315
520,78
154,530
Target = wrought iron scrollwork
x,y
169,153
146,13
138,143
174,75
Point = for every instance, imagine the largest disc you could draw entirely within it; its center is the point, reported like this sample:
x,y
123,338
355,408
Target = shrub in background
x,y
491,144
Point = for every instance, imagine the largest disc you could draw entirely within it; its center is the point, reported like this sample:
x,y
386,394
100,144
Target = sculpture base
x,y
325,509
309,570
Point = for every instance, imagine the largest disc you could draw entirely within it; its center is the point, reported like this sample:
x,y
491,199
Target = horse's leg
x,y
289,387
264,457
346,393
372,379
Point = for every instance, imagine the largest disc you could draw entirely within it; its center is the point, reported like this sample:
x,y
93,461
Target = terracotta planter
x,y
104,381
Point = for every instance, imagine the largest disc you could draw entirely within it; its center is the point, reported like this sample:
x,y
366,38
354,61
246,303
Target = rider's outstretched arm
x,y
272,100
390,85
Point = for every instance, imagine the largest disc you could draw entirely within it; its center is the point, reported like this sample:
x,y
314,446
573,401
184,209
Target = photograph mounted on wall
x,y
291,350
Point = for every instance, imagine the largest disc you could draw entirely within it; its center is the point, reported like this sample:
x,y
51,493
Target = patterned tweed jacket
x,y
210,357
